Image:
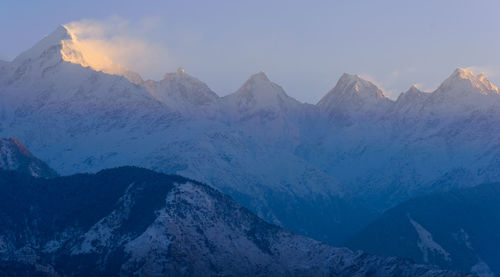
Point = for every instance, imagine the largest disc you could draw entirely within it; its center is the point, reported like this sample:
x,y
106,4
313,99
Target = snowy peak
x,y
178,89
65,45
179,73
49,48
259,77
464,81
413,93
352,92
259,84
15,156
414,90
354,84
259,92
411,101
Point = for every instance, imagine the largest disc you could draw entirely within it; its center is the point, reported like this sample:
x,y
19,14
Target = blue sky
x,y
302,45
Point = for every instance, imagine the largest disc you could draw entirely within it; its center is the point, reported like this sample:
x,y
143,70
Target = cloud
x,y
387,92
124,42
489,71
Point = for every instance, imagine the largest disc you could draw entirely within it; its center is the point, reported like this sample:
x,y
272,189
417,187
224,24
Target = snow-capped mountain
x,y
64,45
410,102
182,92
463,92
135,222
322,170
463,81
78,119
15,156
353,96
456,230
259,94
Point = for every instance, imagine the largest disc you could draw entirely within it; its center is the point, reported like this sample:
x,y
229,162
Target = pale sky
x,y
304,46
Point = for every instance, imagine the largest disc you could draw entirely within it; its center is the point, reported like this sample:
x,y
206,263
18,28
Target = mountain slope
x,y
78,119
15,156
259,98
321,170
135,222
457,230
182,92
353,96
411,101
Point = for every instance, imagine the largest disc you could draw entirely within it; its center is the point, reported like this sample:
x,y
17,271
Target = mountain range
x,y
322,170
135,222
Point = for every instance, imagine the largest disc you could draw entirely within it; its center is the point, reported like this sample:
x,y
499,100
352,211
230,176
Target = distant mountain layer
x,y
15,156
459,230
135,222
321,170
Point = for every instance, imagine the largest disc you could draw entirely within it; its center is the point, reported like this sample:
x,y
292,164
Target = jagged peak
x,y
256,80
50,41
259,76
464,80
414,90
411,95
179,73
349,78
179,85
64,45
463,73
259,83
258,91
351,86
354,83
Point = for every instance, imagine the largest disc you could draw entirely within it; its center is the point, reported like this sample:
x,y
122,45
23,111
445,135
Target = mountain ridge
x,y
283,159
455,229
15,156
150,224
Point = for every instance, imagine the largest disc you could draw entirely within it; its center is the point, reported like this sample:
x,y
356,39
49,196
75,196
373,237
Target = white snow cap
x,y
352,90
53,41
463,79
358,85
413,89
259,92
64,45
259,84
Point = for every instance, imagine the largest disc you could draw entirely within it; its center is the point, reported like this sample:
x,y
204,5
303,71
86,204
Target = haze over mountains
x,y
321,170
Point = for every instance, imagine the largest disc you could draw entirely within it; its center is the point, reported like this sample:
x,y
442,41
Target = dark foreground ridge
x,y
135,222
459,230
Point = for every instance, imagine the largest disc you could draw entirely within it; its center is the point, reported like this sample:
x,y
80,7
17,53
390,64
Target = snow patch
x,y
101,234
426,243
